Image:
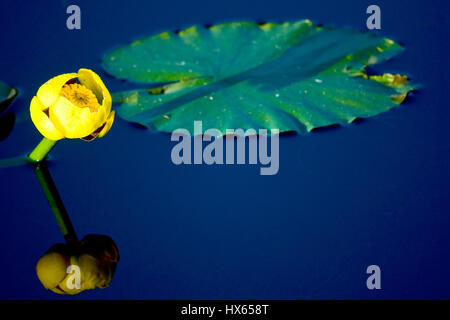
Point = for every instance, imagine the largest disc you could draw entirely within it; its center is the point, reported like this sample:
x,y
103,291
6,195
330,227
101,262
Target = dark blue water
x,y
374,192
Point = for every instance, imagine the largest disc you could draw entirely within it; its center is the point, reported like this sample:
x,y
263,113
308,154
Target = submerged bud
x,y
93,260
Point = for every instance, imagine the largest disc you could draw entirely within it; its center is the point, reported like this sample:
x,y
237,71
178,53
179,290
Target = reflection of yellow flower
x,y
96,256
63,108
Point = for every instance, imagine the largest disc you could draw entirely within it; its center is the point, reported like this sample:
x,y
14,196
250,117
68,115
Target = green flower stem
x,y
41,150
55,202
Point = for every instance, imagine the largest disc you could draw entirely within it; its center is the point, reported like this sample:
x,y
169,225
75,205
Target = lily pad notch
x,y
7,95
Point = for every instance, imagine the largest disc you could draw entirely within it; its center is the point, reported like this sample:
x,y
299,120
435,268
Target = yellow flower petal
x,y
48,93
42,121
92,81
93,273
108,124
51,269
69,279
73,121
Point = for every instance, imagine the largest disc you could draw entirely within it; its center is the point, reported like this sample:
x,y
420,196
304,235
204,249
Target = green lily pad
x,y
7,95
294,76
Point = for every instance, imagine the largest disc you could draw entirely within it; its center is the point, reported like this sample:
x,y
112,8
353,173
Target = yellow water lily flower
x,y
96,256
63,108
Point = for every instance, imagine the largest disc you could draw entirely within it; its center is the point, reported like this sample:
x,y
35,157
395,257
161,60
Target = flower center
x,y
80,96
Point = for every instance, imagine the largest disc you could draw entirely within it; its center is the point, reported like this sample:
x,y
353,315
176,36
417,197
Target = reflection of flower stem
x,y
56,204
41,150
